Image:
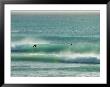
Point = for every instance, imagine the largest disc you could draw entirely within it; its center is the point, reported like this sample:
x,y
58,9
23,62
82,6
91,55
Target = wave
x,y
88,59
55,48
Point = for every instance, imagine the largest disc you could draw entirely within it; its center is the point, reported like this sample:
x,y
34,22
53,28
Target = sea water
x,y
66,44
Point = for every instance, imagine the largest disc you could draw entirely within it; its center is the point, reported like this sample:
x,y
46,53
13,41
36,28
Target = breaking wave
x,y
63,58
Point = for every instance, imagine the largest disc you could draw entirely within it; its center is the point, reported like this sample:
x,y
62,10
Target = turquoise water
x,y
66,44
41,69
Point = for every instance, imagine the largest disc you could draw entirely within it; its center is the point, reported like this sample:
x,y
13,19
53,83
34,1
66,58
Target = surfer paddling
x,y
34,45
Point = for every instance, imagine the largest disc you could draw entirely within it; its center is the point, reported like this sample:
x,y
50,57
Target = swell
x,y
56,38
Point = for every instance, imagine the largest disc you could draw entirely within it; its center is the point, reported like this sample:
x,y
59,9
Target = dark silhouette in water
x,y
34,45
71,43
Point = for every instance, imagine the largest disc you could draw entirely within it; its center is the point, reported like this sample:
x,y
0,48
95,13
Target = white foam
x,y
64,55
29,41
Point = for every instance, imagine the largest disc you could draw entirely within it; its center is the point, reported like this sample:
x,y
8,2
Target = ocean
x,y
55,44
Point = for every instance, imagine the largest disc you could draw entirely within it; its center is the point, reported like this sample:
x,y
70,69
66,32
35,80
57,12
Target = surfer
x,y
34,45
71,43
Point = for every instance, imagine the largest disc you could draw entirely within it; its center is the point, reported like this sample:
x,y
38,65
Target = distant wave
x,y
80,58
54,38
